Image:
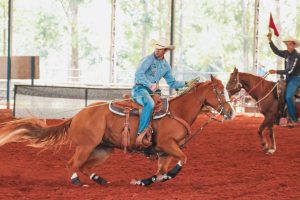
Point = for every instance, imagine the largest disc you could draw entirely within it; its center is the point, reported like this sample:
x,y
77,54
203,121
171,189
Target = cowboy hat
x,y
291,39
162,43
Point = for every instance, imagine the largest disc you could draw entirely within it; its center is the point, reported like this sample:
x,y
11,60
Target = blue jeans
x,y
292,86
141,95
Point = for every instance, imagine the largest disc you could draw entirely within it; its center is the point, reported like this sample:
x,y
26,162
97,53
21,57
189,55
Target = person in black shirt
x,y
292,72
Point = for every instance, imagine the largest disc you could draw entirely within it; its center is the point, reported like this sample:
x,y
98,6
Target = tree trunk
x,y
180,42
75,73
278,41
245,34
112,75
160,23
145,28
297,20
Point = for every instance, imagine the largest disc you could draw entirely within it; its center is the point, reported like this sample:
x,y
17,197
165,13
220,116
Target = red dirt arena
x,y
225,161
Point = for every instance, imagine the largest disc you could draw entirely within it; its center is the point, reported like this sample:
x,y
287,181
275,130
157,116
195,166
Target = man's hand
x,y
154,87
192,82
269,35
272,71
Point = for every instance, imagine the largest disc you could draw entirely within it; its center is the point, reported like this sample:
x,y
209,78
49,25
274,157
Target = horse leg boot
x,y
97,157
172,149
79,158
163,165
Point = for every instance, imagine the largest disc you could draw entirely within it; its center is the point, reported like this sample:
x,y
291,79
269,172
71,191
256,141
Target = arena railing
x,y
59,101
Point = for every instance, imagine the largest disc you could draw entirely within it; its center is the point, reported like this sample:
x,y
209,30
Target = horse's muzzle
x,y
227,114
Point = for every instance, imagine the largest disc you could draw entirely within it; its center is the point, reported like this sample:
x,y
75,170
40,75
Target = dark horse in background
x,y
265,93
96,131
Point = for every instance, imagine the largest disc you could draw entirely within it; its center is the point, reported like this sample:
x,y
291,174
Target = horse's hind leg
x,y
260,133
272,149
79,158
97,157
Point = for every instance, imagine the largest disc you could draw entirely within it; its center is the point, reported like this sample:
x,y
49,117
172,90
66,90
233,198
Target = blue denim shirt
x,y
151,70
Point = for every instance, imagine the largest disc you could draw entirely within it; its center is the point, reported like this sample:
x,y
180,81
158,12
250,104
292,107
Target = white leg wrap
x,y
179,163
91,176
74,175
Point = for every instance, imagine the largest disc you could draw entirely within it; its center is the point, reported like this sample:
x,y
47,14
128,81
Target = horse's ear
x,y
212,78
235,70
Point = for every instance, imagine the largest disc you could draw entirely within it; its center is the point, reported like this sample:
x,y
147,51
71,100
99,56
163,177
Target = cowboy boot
x,y
144,139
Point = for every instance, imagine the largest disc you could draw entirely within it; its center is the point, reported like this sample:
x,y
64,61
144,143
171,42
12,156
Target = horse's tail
x,y
36,132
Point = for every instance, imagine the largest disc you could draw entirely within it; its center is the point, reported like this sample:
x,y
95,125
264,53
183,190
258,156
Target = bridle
x,y
238,84
218,94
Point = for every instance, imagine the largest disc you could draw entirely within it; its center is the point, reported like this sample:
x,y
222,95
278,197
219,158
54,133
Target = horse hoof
x,y
100,180
160,178
265,149
136,182
133,182
271,151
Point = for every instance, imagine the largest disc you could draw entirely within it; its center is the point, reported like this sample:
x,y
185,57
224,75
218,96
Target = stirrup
x,y
144,139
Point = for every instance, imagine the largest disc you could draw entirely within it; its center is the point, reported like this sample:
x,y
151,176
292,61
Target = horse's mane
x,y
188,89
257,77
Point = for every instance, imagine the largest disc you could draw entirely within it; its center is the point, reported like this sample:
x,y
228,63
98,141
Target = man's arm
x,y
140,74
285,71
171,80
278,52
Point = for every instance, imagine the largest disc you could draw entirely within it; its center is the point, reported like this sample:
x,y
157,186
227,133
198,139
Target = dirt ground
x,y
225,161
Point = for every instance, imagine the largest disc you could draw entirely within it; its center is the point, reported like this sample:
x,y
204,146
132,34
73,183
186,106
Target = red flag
x,y
272,25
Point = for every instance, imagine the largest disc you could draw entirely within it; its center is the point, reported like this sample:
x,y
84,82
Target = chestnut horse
x,y
96,131
265,93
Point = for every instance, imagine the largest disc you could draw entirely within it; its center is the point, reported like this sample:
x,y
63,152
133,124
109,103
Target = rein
x,y
267,94
191,134
238,84
199,130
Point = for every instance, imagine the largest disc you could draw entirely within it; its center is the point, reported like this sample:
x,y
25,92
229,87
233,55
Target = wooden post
x,y
9,43
172,36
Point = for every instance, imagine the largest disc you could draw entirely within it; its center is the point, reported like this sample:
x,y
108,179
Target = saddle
x,y
281,87
282,110
128,105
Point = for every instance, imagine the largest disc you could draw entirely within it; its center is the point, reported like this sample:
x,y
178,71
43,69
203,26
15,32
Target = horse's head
x,y
216,99
233,86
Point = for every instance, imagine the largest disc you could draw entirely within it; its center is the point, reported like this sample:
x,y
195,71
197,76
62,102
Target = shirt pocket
x,y
153,70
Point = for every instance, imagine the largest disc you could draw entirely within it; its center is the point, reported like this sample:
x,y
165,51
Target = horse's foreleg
x,y
97,157
163,164
172,149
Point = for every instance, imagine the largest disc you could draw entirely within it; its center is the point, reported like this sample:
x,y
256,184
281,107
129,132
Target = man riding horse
x,y
148,74
292,72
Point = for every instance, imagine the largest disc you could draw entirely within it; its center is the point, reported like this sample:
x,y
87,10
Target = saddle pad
x,y
157,115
